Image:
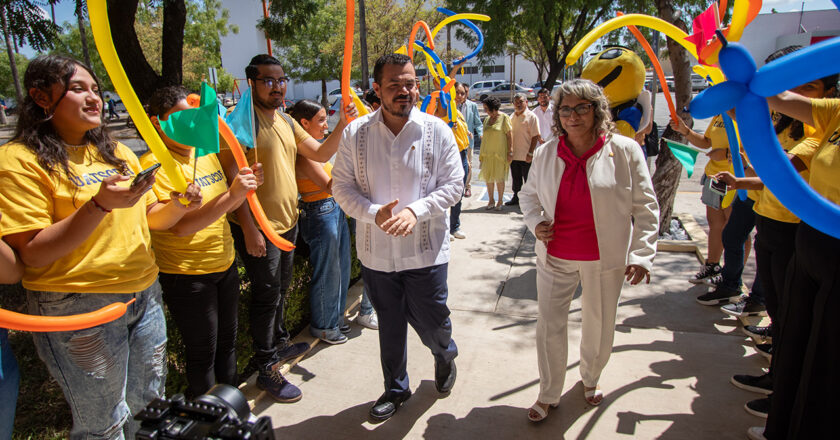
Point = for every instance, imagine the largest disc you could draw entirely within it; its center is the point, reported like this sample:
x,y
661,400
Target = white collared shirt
x,y
420,166
545,120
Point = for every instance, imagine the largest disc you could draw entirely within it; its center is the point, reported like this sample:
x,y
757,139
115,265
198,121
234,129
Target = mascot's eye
x,y
611,54
615,73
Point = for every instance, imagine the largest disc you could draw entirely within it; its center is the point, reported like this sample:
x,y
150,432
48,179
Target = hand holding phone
x,y
145,174
718,187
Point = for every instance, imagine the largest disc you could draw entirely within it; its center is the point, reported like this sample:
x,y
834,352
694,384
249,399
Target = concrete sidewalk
x,y
668,376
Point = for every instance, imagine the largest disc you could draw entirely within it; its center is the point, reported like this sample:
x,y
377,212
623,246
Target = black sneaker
x,y
709,270
714,281
344,328
757,384
276,386
758,332
758,407
765,350
747,307
721,295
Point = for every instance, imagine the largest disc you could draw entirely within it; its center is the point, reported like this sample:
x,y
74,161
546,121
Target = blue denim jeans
x,y
9,382
738,228
365,308
455,211
109,372
323,225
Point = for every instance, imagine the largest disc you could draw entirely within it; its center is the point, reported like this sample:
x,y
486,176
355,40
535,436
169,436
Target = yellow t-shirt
x,y
462,135
277,150
116,258
767,204
825,165
209,250
716,133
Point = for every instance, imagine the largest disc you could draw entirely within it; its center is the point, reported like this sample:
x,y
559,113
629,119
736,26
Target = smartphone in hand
x,y
142,175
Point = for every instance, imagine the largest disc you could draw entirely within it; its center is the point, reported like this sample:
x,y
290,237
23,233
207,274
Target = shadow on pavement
x,y
351,422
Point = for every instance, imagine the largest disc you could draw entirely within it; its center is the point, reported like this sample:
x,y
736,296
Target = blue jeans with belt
x,y
323,225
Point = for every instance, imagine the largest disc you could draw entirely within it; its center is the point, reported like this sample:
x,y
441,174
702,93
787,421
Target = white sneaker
x,y
451,237
370,321
459,235
756,433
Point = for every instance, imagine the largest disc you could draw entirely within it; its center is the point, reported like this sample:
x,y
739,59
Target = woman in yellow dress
x,y
496,152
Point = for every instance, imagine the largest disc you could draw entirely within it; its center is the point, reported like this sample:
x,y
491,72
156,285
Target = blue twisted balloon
x,y
478,33
745,90
734,151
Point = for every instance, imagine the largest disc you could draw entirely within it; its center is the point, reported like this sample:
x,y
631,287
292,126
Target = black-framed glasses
x,y
580,109
270,82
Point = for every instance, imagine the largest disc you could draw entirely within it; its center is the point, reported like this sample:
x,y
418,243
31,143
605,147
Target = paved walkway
x,y
668,376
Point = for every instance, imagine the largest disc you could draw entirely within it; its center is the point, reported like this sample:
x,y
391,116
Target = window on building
x,y
487,70
470,70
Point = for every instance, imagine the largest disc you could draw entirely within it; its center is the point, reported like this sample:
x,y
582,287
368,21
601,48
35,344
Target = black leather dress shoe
x,y
387,405
445,374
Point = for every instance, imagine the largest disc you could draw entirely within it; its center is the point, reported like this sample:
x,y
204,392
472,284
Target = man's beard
x,y
270,102
394,108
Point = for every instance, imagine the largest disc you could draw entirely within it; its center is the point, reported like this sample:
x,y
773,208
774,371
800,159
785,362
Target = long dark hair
x,y
36,132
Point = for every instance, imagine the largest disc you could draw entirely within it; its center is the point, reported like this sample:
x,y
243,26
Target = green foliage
x,y
26,23
7,87
69,43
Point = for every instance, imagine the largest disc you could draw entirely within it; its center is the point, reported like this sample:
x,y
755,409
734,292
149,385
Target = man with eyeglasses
x,y
397,172
525,131
279,140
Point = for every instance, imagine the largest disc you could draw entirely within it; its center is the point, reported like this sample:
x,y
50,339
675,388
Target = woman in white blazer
x,y
589,201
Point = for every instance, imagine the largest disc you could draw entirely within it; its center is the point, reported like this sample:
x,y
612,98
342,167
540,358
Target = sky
x,y
64,11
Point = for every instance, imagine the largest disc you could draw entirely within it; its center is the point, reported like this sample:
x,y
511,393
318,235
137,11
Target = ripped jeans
x,y
109,372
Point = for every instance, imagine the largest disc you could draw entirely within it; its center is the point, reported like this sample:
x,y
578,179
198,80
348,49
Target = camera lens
x,y
229,397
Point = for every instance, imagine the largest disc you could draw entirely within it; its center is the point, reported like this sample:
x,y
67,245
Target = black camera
x,y
222,413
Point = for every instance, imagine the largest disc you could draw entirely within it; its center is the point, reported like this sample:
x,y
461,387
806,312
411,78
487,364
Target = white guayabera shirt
x,y
420,166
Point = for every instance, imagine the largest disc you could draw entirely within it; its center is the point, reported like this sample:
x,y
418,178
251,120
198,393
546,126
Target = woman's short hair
x,y
492,103
304,109
587,91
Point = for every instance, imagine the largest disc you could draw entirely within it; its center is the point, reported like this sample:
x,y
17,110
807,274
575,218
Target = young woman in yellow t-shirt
x,y
805,378
199,280
719,160
81,230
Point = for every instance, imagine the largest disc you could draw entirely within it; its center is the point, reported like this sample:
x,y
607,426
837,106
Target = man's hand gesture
x,y
399,225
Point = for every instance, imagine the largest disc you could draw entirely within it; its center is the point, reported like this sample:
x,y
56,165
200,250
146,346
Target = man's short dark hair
x,y
371,97
165,98
251,71
396,59
544,90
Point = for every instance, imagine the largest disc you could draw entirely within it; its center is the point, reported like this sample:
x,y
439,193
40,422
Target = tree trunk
x,y
666,178
142,76
363,45
80,17
324,98
12,61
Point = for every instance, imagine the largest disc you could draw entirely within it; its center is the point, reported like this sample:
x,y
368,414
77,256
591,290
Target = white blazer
x,y
623,202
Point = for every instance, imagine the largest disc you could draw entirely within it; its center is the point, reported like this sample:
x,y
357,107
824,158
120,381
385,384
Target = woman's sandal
x,y
490,205
541,413
499,205
591,395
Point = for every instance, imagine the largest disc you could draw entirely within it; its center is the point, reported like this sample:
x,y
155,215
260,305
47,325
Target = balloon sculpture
x,y
446,93
745,90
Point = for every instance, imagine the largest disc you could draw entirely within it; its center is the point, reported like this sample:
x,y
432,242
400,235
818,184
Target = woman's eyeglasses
x,y
271,82
580,109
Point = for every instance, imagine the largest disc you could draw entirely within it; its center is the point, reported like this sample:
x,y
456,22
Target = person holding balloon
x,y
589,201
80,225
496,152
805,379
716,139
278,141
323,225
199,280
